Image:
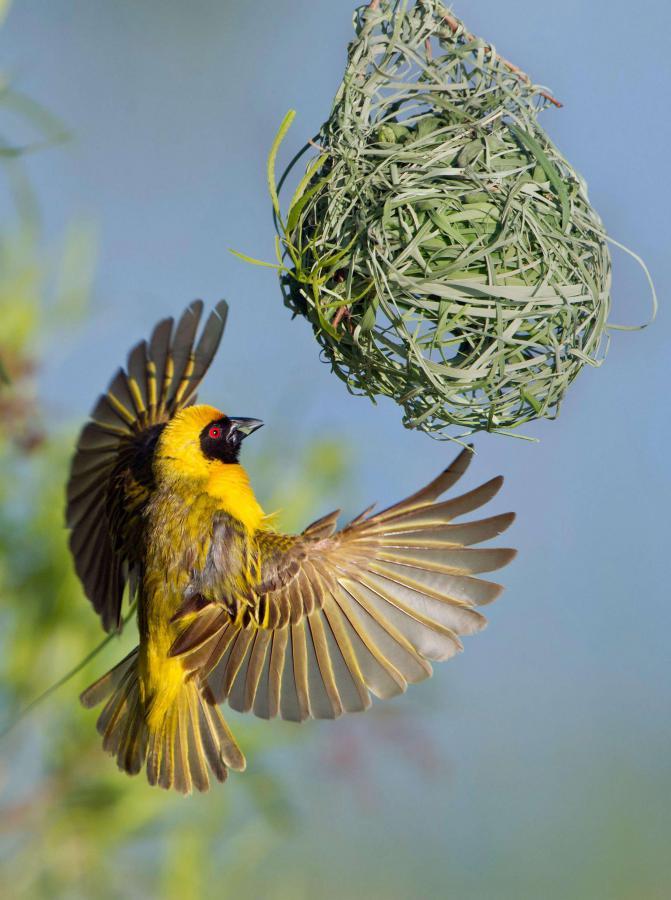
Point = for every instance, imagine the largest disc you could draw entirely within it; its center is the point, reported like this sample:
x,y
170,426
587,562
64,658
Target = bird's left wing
x,y
111,476
337,616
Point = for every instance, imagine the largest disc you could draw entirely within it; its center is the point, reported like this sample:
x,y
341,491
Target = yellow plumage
x,y
180,463
191,491
230,610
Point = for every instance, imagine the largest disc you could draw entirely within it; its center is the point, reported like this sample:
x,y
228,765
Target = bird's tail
x,y
191,737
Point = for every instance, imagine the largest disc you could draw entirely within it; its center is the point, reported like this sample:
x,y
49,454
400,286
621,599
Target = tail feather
x,y
134,740
194,749
153,758
103,687
114,717
209,742
185,778
191,739
220,737
166,766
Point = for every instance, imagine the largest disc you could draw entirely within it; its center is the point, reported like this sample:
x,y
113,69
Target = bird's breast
x,y
179,534
178,538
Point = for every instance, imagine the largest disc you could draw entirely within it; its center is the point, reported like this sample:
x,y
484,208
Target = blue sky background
x,y
553,728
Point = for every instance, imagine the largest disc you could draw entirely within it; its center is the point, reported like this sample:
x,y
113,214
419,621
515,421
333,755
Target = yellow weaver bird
x,y
299,626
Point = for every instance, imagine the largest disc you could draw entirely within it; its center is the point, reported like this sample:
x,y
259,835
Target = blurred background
x,y
133,139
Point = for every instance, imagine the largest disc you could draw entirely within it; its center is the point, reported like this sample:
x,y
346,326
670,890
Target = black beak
x,y
246,426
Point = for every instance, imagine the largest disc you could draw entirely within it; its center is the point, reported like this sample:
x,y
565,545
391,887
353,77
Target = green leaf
x,y
272,156
368,318
297,208
550,170
254,261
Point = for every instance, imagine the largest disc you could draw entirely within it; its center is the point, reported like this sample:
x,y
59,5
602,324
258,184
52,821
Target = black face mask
x,y
221,438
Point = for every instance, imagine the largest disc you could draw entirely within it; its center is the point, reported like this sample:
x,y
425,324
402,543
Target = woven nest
x,y
444,252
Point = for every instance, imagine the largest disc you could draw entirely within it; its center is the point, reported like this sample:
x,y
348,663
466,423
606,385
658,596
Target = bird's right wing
x,y
341,615
111,476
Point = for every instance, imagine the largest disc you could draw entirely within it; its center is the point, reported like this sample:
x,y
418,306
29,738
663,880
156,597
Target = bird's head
x,y
199,440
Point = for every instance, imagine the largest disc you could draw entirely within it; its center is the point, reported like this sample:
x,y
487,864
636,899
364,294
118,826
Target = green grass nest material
x,y
443,250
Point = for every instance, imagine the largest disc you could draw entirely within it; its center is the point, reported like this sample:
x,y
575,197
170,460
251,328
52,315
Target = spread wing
x,y
335,617
111,475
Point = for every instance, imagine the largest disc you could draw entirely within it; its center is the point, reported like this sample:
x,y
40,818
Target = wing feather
x,y
110,478
380,677
427,633
320,702
182,354
326,674
462,534
257,659
136,367
365,610
276,670
208,344
346,666
300,670
289,704
217,674
261,704
237,657
428,494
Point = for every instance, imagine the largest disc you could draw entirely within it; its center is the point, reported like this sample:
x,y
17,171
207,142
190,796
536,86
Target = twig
x,y
343,311
339,316
454,25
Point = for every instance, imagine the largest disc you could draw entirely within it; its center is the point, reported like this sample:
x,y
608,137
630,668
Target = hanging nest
x,y
443,250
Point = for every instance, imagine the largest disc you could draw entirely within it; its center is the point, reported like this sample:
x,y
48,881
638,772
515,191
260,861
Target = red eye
x,y
215,433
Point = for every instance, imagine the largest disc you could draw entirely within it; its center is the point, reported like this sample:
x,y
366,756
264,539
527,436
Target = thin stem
x,y
454,26
65,678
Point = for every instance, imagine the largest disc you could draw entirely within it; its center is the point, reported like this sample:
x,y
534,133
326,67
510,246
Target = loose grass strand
x,y
22,714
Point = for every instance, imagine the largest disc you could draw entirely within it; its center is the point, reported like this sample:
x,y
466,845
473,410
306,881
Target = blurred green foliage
x,y
58,790
57,787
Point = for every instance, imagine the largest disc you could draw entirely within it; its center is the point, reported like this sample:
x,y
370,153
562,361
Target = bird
x,y
162,514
